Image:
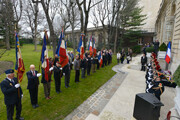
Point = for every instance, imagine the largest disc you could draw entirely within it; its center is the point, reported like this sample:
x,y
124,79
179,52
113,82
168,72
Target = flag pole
x,y
41,52
17,61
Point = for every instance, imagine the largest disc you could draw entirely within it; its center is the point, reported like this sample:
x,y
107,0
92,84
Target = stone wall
x,y
168,28
176,39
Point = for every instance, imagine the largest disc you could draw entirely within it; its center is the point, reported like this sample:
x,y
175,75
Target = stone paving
x,y
96,102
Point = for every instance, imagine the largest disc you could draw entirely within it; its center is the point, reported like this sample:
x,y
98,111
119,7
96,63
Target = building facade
x,y
98,33
168,28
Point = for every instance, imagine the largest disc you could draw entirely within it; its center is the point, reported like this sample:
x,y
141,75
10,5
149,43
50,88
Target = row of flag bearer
x,y
61,65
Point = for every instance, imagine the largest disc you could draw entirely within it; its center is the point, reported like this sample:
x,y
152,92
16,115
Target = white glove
x,y
22,96
17,85
64,74
72,62
87,59
51,69
39,74
91,58
60,68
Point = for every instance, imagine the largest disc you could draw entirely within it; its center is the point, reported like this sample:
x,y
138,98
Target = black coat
x,y
57,73
143,60
89,62
55,60
33,81
10,92
66,69
83,63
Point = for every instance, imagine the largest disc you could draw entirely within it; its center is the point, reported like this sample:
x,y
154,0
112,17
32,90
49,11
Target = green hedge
x,y
150,49
136,49
176,76
163,47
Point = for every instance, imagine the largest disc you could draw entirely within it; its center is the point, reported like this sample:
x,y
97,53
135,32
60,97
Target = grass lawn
x,y
61,104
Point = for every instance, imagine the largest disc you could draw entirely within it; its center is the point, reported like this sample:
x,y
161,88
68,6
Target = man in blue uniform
x,y
12,95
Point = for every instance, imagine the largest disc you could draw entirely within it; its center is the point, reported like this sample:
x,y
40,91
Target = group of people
x,y
155,46
121,56
156,78
12,90
90,63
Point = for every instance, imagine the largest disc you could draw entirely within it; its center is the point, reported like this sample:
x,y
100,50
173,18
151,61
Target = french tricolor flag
x,y
168,53
63,54
90,46
100,59
80,48
44,56
94,47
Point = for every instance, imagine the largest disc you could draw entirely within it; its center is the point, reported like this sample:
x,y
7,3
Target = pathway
x,y
115,99
96,102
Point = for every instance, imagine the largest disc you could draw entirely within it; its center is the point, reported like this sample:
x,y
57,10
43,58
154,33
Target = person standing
x,y
143,62
122,56
66,72
88,64
72,57
128,58
93,64
118,57
46,84
57,76
156,47
83,66
77,68
33,83
106,58
130,53
109,57
56,58
97,60
12,95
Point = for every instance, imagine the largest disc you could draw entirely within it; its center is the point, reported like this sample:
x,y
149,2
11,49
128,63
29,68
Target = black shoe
x,y
34,106
37,105
66,86
21,118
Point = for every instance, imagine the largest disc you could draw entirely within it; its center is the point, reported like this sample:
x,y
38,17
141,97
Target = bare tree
x,y
17,7
84,7
102,13
72,18
7,21
50,8
32,18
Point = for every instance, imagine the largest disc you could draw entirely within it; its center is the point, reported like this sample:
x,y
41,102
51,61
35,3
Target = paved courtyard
x,y
115,99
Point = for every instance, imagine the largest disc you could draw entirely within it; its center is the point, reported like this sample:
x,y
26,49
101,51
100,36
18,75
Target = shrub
x,y
136,49
176,76
163,47
150,49
69,44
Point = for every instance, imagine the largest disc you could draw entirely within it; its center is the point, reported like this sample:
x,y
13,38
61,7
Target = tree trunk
x,y
51,29
85,28
35,25
7,38
115,42
74,44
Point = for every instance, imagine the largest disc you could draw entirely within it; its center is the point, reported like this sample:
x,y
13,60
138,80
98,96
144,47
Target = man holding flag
x,y
11,88
100,59
46,79
61,51
80,48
